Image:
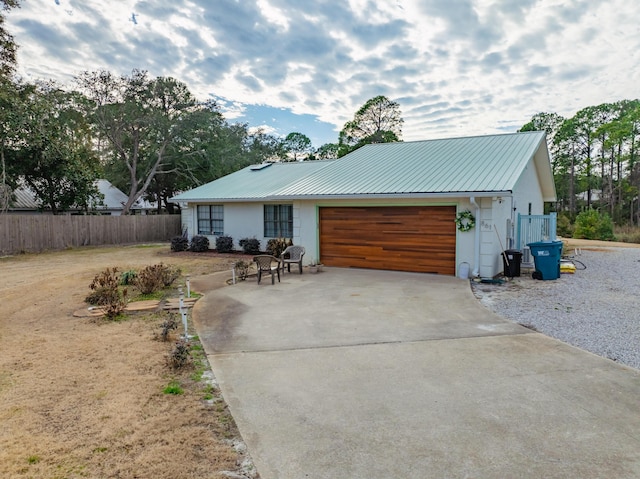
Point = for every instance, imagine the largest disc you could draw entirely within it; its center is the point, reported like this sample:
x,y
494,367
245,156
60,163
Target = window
x,y
278,221
211,220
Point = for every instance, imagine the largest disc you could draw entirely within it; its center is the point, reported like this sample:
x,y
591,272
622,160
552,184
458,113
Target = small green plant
x,y
250,245
208,392
179,243
224,244
106,293
275,246
199,244
128,277
173,388
33,459
180,355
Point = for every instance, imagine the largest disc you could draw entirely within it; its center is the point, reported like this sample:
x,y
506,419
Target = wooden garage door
x,y
408,238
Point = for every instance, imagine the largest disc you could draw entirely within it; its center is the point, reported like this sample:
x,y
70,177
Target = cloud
x,y
455,66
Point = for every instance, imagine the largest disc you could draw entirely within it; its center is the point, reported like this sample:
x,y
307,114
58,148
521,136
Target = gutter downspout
x,y
476,255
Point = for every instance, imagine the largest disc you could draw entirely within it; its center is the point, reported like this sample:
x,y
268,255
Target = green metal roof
x,y
480,164
257,182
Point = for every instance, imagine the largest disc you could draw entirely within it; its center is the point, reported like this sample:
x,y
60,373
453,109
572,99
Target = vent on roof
x,y
261,166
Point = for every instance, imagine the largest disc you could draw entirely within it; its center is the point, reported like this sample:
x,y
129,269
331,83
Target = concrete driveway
x,y
377,374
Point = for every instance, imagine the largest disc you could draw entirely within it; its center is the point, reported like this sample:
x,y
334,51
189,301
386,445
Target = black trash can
x,y
511,260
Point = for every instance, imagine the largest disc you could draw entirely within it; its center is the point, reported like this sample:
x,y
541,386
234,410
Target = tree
x,y
55,156
328,151
8,46
141,122
296,146
7,99
379,120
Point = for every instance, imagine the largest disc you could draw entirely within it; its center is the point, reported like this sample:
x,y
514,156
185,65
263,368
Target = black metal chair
x,y
292,255
265,264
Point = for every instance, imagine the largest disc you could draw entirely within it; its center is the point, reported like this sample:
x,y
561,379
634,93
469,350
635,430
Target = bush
x,y
169,324
155,277
224,244
242,269
591,224
250,245
199,244
180,355
149,280
275,246
179,243
106,293
564,226
169,274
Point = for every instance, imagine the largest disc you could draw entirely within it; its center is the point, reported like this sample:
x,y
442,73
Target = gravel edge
x,y
596,309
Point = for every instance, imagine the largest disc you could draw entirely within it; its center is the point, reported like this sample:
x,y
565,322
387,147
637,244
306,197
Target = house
x,y
114,199
425,206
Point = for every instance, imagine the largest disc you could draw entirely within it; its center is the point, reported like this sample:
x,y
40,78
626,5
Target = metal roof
x,y
114,199
253,182
480,164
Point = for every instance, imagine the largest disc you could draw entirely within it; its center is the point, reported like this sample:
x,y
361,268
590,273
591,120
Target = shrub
x,y
275,246
149,279
199,244
155,277
180,355
564,226
242,269
224,244
169,324
128,277
591,224
250,245
106,293
179,243
169,274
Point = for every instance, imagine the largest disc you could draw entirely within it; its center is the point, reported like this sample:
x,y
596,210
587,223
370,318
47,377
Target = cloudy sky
x,y
456,67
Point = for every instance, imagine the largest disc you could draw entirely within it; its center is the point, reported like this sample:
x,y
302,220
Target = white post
x,y
188,286
233,272
183,313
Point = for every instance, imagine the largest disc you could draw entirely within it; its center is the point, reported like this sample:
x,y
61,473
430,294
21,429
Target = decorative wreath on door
x,y
465,220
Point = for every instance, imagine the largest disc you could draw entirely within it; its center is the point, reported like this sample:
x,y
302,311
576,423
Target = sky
x,y
455,67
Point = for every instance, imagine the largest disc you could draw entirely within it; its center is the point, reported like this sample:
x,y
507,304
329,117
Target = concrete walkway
x,y
374,374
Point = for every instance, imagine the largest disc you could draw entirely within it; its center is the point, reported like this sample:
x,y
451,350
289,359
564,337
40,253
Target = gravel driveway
x,y
597,309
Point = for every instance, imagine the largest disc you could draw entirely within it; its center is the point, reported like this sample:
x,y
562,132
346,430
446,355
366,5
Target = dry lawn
x,y
81,397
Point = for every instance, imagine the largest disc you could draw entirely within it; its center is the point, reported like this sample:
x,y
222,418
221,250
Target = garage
x,y
402,238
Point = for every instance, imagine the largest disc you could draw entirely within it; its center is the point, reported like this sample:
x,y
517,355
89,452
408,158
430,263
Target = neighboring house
x,y
114,199
386,206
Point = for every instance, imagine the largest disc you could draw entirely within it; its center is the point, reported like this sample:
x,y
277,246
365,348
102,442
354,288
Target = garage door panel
x,y
396,238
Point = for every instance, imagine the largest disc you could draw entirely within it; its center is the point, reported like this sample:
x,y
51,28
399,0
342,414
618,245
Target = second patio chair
x,y
293,254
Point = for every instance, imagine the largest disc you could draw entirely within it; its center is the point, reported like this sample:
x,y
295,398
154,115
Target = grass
x,y
627,234
173,388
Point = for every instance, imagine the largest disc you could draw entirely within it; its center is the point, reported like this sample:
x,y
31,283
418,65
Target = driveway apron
x,y
377,374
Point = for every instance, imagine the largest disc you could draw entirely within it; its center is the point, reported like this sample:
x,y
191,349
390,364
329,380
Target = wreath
x,y
465,220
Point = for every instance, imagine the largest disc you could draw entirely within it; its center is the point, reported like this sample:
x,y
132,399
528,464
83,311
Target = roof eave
x,y
356,196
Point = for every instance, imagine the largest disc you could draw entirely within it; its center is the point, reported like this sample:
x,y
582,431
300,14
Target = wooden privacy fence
x,y
33,233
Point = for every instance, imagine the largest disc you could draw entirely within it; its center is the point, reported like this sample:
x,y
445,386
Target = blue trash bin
x,y
546,256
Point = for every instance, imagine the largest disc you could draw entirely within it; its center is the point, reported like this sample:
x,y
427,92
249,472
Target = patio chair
x,y
293,254
265,264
